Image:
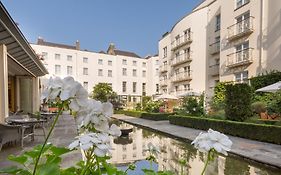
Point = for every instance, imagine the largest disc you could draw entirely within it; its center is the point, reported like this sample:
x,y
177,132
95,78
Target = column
x,y
36,94
4,105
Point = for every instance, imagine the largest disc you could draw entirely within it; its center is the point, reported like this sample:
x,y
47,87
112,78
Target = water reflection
x,y
176,156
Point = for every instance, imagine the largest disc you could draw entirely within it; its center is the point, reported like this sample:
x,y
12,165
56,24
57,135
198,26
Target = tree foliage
x,y
104,92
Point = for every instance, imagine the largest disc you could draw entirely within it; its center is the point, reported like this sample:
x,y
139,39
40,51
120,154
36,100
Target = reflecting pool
x,y
131,149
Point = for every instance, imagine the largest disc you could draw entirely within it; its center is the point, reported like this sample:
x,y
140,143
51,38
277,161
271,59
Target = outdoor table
x,y
28,123
48,116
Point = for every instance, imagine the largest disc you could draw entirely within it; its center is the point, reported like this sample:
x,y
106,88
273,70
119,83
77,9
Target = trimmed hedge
x,y
260,132
145,115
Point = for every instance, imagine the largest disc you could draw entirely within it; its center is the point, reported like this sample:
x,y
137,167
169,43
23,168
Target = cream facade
x,y
129,75
232,40
20,69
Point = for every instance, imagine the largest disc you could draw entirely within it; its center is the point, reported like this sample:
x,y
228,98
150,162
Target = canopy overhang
x,y
18,48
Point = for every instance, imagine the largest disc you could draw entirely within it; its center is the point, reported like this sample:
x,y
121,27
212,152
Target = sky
x,y
132,25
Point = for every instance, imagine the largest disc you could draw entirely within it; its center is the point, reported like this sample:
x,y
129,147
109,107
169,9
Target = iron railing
x,y
240,58
241,28
181,41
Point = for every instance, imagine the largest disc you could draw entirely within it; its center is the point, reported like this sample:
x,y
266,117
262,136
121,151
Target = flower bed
x,y
261,132
145,115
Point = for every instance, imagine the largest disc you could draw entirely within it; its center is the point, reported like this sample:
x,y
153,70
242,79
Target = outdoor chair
x,y
9,133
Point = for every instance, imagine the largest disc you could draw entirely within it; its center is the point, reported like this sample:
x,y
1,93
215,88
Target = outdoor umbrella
x,y
271,88
190,94
166,97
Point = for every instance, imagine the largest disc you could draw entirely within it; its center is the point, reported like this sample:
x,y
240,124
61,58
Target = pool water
x,y
131,149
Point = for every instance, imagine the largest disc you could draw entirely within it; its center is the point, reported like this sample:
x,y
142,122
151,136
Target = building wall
x,y
148,65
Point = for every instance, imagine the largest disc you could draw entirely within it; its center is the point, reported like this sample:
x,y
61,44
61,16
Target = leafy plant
x,y
238,102
104,92
192,106
258,107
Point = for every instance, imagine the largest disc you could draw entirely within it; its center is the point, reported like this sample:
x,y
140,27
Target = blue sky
x,y
132,25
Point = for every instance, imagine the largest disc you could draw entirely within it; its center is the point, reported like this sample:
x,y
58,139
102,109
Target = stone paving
x,y
63,135
262,152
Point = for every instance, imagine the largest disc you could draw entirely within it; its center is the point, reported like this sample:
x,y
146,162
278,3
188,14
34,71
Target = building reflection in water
x,y
179,157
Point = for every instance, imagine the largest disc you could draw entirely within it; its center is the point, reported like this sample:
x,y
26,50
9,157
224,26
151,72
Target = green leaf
x,y
19,159
69,171
53,159
58,151
48,169
10,170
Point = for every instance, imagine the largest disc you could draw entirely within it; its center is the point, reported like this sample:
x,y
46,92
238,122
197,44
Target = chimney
x,y
111,49
40,40
77,45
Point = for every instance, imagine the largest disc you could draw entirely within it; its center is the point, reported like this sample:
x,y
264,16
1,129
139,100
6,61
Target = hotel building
x,y
129,75
20,69
220,41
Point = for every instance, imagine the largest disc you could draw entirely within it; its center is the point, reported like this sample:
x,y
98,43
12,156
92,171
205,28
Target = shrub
x,y
148,116
152,106
138,106
192,106
238,102
261,132
275,105
258,107
218,100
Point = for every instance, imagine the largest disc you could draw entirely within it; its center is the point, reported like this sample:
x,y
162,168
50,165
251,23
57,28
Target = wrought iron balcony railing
x,y
182,76
181,41
183,58
163,82
215,48
241,28
240,58
163,68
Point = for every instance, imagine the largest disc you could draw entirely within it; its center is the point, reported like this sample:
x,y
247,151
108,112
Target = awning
x,y
271,88
18,47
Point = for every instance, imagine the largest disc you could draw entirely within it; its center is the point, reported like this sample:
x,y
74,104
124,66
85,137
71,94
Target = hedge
x,y
145,115
260,132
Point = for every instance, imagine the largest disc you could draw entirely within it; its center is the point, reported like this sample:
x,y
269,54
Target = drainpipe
x,y
261,36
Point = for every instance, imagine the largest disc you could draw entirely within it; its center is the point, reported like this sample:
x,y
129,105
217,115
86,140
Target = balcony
x,y
240,29
163,82
181,41
182,76
215,48
240,58
163,68
183,58
214,70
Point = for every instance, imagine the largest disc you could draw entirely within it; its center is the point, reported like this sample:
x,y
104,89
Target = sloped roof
x,y
126,53
45,43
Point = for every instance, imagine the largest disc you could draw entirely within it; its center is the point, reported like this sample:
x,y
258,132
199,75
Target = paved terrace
x,y
63,135
262,152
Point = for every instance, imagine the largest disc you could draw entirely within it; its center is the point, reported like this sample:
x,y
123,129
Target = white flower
x,y
53,89
152,149
107,109
85,142
69,88
204,142
80,99
114,130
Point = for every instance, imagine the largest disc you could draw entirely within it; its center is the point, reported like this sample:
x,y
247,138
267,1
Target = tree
x,y
104,92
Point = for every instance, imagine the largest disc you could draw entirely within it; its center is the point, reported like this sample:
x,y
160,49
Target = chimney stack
x,y
77,45
111,49
40,40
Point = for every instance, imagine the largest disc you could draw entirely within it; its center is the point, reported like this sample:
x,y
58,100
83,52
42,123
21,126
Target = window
x,y
186,87
177,71
186,69
109,73
177,88
240,3
57,56
218,22
187,53
109,84
85,60
143,73
100,72
165,52
242,52
134,99
165,90
243,22
100,62
144,89
69,70
134,72
109,63
156,71
177,39
124,62
165,63
134,63
124,72
85,71
187,34
134,87
44,55
241,77
57,69
144,64
157,62
69,57
124,86
85,85
157,88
